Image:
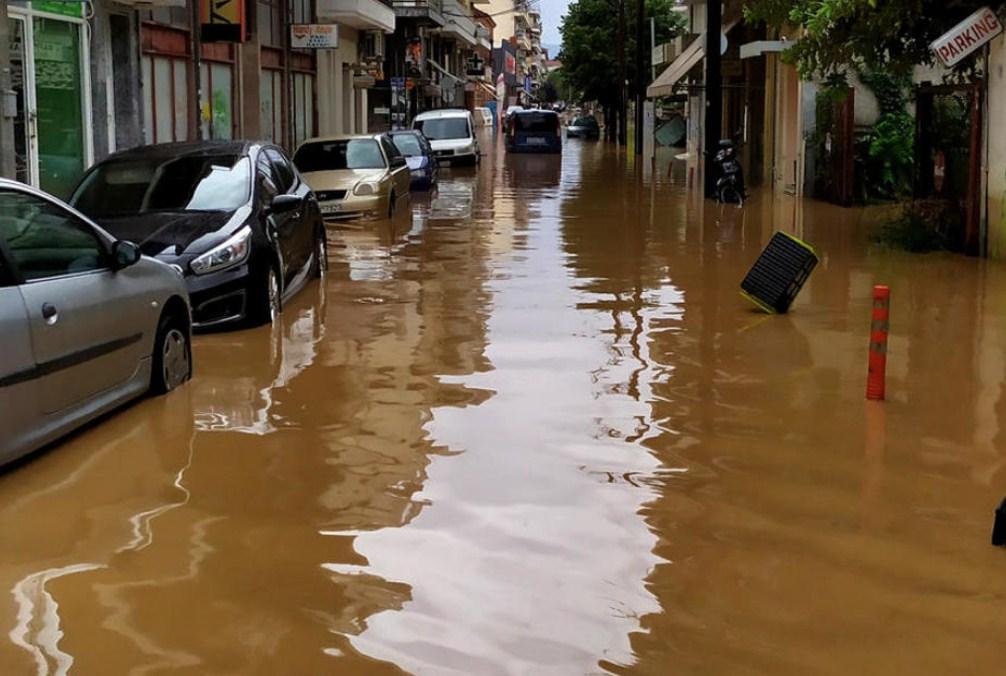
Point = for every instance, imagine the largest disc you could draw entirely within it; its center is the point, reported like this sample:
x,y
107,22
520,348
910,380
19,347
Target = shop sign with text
x,y
314,36
222,20
967,37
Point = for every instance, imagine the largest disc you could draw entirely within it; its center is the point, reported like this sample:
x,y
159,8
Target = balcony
x,y
458,23
484,37
430,12
360,14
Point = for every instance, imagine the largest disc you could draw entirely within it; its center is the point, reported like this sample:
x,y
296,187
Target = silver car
x,y
86,323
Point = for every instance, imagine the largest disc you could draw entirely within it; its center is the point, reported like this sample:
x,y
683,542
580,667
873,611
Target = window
x,y
408,144
128,187
270,23
335,155
218,108
302,11
303,107
271,85
389,148
537,123
443,128
266,178
166,94
46,241
281,170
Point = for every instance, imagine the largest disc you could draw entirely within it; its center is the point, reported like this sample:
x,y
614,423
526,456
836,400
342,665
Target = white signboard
x,y
314,36
967,36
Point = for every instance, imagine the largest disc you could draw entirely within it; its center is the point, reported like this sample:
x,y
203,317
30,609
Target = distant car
x,y
418,152
483,117
87,322
584,127
451,132
534,131
508,116
355,176
234,217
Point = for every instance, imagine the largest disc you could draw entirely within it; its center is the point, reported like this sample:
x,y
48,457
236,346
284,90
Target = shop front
x,y
51,84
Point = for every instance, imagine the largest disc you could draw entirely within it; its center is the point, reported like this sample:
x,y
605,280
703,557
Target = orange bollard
x,y
875,380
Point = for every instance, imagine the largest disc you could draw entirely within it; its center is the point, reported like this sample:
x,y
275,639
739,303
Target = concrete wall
x,y
339,104
995,158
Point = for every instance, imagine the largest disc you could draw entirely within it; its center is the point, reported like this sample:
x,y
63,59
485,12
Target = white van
x,y
451,133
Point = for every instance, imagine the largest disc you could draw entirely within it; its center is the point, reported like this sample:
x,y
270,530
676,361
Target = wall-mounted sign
x,y
511,64
222,20
314,36
966,37
475,66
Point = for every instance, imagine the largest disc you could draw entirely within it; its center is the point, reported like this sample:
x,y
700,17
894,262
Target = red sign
x,y
966,37
511,64
939,170
222,20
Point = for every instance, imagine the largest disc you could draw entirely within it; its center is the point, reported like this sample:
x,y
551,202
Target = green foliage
x,y
922,226
589,36
891,142
890,34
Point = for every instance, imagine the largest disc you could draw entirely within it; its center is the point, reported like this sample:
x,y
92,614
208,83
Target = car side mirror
x,y
282,204
397,162
124,254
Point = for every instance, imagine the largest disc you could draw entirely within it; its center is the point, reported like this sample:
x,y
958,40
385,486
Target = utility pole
x,y
8,161
196,90
714,90
640,87
623,136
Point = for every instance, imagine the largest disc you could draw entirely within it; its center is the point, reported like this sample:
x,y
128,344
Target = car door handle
x,y
49,313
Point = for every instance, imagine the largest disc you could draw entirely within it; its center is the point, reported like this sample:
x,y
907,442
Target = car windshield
x,y
584,122
536,122
408,145
129,186
363,153
443,128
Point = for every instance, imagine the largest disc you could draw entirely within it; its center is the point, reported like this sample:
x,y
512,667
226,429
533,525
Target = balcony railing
x,y
420,9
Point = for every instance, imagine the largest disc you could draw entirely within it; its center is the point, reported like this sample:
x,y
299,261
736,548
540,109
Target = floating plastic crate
x,y
779,273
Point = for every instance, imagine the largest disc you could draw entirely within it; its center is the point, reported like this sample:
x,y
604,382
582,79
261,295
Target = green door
x,y
58,101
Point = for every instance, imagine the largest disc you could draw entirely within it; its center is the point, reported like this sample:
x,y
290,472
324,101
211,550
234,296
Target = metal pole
x,y
8,163
653,47
197,49
622,98
714,91
640,89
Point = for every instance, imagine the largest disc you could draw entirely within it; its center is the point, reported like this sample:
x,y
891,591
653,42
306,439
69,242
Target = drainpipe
x,y
8,104
714,91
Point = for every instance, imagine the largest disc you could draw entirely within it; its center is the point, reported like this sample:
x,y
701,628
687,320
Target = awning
x,y
489,89
763,47
688,59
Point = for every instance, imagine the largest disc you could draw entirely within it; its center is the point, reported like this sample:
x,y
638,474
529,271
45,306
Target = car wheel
x,y
320,266
269,299
172,363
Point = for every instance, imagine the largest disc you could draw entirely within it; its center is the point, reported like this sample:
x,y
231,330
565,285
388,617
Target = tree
x,y
588,54
837,34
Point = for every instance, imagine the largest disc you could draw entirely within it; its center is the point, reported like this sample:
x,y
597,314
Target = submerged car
x,y
451,133
418,154
534,131
235,218
87,322
354,175
584,127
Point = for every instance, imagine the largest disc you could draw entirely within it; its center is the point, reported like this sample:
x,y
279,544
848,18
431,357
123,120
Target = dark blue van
x,y
534,131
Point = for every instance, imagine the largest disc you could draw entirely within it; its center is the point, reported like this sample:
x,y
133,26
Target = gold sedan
x,y
354,175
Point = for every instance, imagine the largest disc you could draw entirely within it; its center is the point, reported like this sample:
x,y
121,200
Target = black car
x,y
534,131
584,127
423,166
234,217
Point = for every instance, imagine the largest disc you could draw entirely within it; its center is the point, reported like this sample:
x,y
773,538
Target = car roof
x,y
446,112
341,137
535,111
185,149
406,132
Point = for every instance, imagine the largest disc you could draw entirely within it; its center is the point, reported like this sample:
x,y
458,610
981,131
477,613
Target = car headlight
x,y
232,252
364,189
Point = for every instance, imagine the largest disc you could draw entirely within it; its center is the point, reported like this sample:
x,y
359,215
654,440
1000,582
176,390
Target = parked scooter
x,y
729,174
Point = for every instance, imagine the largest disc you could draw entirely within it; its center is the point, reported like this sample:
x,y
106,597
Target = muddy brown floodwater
x,y
532,428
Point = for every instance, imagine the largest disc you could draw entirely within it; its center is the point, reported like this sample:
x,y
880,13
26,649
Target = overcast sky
x,y
551,16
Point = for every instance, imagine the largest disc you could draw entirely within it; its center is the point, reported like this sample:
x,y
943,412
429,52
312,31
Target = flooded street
x,y
533,428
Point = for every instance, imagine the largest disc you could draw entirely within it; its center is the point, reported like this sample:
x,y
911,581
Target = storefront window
x,y
270,23
217,105
303,107
272,105
58,95
166,94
